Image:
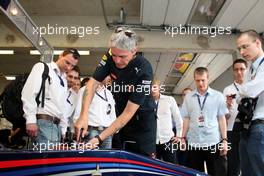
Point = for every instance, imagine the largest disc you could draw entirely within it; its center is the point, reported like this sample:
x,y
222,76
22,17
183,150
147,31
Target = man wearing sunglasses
x,y
132,75
46,124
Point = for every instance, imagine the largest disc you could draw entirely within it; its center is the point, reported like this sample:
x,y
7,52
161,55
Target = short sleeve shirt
x,y
131,83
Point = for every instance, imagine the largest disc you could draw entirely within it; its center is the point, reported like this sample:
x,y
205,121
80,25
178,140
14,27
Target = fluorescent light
x,y
10,78
6,51
58,52
87,52
34,52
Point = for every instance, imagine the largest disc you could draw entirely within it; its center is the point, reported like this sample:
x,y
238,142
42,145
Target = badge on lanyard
x,y
201,120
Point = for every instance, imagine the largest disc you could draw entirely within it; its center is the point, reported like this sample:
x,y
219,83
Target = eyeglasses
x,y
127,32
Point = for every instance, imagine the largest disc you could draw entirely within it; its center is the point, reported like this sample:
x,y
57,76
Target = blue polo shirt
x,y
214,108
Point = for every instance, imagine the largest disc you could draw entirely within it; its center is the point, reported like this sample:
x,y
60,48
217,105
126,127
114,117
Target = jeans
x,y
233,161
107,143
251,151
48,133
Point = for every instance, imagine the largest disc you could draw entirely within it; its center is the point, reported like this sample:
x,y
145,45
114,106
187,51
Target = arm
x,y
88,95
186,122
28,94
222,126
176,115
254,87
120,122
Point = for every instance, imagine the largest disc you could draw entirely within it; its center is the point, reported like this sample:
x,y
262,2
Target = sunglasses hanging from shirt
x,y
109,107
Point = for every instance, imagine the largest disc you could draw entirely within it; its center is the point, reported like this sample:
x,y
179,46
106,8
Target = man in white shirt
x,y
46,124
249,44
167,112
233,124
101,112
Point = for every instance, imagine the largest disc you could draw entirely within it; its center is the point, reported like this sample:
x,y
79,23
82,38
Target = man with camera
x,y
233,124
251,148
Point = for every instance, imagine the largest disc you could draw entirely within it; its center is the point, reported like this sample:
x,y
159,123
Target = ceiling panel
x,y
178,12
254,19
153,12
163,68
153,58
219,65
234,12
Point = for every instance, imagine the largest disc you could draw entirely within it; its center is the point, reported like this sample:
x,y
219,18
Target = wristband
x,y
99,139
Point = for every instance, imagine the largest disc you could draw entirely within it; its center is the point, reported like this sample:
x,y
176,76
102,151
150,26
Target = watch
x,y
99,139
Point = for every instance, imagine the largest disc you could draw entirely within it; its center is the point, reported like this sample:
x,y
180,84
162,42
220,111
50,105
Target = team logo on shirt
x,y
110,52
104,57
102,63
137,69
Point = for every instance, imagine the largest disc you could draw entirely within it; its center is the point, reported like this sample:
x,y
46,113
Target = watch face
x,y
109,108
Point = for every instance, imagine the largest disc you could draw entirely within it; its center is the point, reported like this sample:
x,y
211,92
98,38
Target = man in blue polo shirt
x,y
132,75
204,126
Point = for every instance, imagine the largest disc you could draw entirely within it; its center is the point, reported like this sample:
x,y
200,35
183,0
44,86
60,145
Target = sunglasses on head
x,y
127,32
74,52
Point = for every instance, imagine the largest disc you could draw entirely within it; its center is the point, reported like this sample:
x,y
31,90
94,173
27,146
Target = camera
x,y
246,109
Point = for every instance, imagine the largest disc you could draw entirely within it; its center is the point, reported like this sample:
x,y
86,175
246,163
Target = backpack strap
x,y
45,76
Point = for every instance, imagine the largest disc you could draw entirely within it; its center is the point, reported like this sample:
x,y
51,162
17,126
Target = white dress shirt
x,y
167,113
255,87
55,94
97,113
230,90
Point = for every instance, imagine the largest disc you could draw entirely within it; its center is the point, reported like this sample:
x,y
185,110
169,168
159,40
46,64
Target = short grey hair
x,y
124,38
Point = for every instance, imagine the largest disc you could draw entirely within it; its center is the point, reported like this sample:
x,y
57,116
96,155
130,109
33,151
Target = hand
x,y
32,129
94,143
175,140
81,123
223,148
183,144
229,102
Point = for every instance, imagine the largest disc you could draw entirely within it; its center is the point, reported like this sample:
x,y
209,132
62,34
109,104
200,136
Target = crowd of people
x,y
204,130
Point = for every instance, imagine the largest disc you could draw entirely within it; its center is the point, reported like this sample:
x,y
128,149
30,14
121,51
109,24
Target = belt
x,y
257,121
99,128
54,120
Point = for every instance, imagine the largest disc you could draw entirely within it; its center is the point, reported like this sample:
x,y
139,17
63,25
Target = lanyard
x,y
68,98
105,99
236,87
199,101
257,67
